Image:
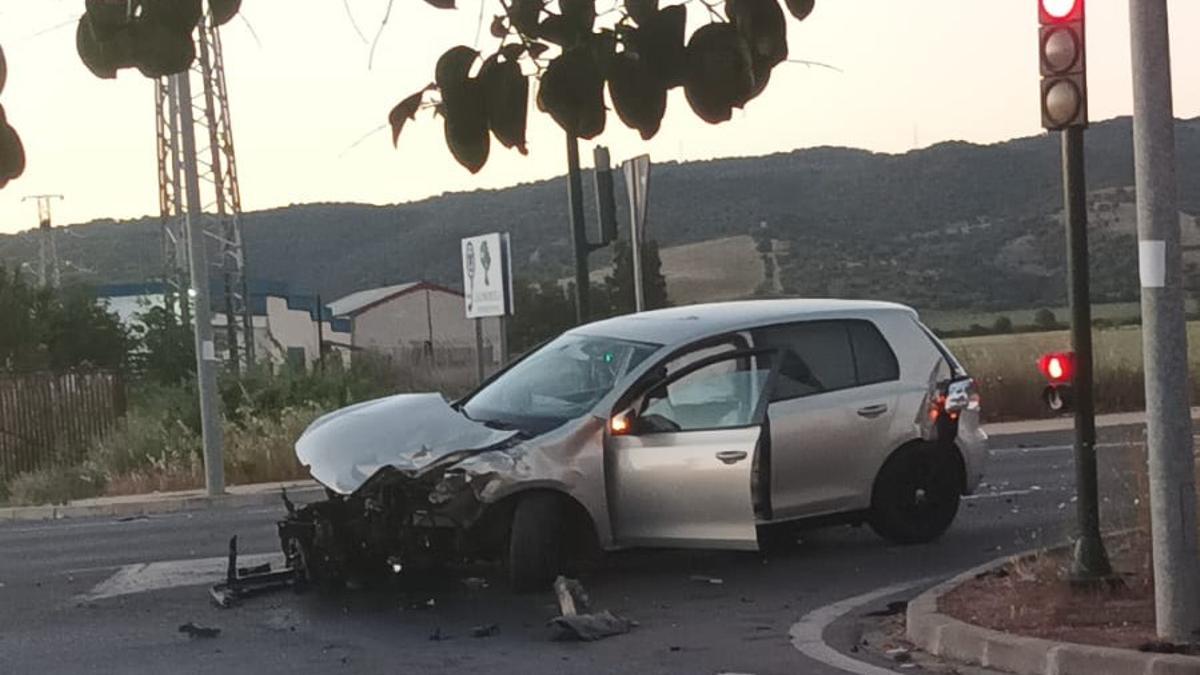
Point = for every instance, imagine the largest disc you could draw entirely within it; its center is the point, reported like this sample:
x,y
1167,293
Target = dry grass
x,y
1006,368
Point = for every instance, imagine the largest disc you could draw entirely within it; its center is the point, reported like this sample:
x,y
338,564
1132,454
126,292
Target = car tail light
x,y
953,398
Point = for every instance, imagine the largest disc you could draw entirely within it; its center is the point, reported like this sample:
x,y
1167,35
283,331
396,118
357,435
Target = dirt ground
x,y
1032,596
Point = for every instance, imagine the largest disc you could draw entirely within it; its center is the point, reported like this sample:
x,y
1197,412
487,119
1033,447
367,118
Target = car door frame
x,y
739,531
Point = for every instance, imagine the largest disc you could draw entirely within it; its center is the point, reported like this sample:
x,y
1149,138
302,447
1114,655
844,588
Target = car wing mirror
x,y
624,423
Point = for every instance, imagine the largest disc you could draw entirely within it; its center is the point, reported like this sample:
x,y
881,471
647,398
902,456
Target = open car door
x,y
681,458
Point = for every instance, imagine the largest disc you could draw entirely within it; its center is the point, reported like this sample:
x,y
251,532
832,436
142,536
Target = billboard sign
x,y
487,275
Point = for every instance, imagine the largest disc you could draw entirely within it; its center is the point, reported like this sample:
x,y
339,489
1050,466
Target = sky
x,y
308,107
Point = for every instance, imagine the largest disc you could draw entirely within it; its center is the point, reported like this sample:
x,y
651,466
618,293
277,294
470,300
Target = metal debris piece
x,y
716,581
244,582
585,627
193,630
485,631
893,609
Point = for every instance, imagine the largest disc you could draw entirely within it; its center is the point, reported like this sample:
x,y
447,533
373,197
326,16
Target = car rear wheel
x,y
538,542
916,494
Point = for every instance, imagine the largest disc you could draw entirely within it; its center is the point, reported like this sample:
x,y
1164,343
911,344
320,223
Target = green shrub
x,y
261,448
54,486
146,439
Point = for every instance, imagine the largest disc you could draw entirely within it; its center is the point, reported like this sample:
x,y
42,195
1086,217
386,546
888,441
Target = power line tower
x,y
49,272
221,200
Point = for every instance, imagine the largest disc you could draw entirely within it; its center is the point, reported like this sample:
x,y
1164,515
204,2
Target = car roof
x,y
682,325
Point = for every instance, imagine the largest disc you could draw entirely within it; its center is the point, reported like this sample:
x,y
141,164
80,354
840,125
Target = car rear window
x,y
822,356
956,368
874,358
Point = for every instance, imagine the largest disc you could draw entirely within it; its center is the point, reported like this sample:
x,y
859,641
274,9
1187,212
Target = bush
x,y
260,449
57,485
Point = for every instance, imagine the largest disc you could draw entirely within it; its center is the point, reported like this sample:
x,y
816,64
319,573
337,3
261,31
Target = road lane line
x,y
157,576
808,634
1005,493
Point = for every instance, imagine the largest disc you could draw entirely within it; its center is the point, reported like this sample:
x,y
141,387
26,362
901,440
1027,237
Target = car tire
x,y
537,543
916,494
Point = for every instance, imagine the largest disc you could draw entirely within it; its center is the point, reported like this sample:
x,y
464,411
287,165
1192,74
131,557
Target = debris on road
x,y
130,519
244,582
475,583
193,630
716,581
585,627
428,603
485,631
438,635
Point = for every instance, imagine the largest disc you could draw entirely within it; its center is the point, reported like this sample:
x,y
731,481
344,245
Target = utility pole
x,y
49,272
1164,333
206,356
583,296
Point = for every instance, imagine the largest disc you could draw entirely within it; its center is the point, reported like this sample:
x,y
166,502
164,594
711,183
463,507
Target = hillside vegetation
x,y
953,226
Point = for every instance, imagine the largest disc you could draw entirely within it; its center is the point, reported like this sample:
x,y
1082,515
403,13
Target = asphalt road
x,y
686,626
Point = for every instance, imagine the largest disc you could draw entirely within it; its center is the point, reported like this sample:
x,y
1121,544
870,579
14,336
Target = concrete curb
x,y
159,504
945,636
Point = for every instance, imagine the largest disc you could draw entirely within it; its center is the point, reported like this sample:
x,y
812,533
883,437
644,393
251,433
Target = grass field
x,y
708,271
1006,368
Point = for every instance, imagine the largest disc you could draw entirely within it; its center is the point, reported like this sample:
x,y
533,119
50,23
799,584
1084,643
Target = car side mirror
x,y
624,423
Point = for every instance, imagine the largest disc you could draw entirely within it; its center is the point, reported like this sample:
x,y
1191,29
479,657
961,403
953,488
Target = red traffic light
x,y
1058,368
1060,11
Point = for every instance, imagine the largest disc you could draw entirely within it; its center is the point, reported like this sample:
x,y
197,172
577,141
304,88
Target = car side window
x,y
724,394
815,357
873,357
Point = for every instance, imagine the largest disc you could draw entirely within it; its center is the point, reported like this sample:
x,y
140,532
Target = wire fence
x,y
50,419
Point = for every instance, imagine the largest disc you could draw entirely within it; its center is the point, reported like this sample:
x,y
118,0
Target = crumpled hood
x,y
408,432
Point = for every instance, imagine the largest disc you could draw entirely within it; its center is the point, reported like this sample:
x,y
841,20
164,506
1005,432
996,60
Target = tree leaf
x,y
453,70
12,153
224,10
536,49
467,128
513,50
3,70
506,95
641,10
659,41
720,73
442,4
180,16
639,97
107,17
160,51
404,111
572,91
579,14
104,58
800,8
524,16
499,28
762,26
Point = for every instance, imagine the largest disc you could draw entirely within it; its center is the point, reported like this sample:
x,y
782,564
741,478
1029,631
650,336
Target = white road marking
x,y
1005,493
808,634
157,576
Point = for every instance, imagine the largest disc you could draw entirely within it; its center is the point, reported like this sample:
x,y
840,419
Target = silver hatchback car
x,y
705,426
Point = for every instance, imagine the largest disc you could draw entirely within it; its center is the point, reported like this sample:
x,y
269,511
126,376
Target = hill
x,y
955,225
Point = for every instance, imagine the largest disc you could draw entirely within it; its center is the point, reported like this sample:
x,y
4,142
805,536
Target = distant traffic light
x,y
606,206
1062,56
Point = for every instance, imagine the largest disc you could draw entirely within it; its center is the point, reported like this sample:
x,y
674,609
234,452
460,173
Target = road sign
x,y
487,275
637,186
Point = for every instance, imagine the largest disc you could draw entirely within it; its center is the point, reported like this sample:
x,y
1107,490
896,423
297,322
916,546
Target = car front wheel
x,y
916,494
537,545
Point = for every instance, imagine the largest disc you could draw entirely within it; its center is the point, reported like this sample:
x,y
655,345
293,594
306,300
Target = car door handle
x,y
732,456
872,411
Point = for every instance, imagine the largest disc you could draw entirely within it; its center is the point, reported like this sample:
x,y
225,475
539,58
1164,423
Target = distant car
x,y
694,427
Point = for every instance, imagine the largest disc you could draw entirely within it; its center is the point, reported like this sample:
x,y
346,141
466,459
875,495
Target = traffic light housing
x,y
1062,57
606,205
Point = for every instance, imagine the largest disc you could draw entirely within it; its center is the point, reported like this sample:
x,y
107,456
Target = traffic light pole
x,y
1169,442
578,232
1091,560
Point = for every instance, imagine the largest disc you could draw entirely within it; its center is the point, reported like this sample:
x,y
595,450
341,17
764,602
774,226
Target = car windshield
x,y
561,381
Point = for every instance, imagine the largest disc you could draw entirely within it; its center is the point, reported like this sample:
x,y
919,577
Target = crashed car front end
x,y
411,480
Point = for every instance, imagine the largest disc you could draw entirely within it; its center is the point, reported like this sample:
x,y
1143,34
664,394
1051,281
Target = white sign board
x,y
487,275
